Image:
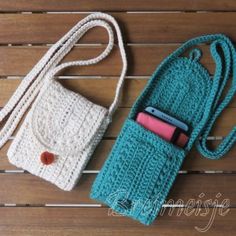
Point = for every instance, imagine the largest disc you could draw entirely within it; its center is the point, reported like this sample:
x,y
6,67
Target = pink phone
x,y
164,130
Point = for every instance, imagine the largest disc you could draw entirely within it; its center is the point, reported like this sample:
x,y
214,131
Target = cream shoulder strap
x,y
48,66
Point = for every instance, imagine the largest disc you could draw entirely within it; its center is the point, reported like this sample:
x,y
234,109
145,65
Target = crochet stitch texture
x,y
142,167
62,123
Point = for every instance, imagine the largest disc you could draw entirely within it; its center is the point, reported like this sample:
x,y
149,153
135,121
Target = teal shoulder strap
x,y
224,56
225,61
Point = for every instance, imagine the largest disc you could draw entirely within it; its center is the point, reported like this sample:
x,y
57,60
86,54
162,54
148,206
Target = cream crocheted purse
x,y
62,129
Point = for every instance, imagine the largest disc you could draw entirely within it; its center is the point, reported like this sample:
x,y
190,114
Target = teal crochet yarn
x,y
141,168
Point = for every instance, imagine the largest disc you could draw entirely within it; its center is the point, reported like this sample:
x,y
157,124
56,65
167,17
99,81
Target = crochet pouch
x,y
142,167
62,128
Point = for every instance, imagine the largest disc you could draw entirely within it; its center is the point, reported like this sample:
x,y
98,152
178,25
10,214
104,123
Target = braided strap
x,y
47,67
215,104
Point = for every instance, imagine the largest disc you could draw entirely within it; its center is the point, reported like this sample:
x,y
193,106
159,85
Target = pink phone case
x,y
161,128
155,125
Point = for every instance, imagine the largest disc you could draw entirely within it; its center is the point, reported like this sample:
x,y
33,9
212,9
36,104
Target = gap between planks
x,y
94,205
181,172
117,11
17,45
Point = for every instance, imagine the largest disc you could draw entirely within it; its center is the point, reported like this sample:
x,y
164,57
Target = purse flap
x,y
64,121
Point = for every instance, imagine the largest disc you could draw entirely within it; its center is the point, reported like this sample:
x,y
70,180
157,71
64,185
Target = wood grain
x,y
136,27
149,37
35,221
12,58
118,5
29,189
224,124
91,88
193,162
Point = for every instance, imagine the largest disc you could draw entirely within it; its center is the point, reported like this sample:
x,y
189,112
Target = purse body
x,y
62,128
63,123
141,167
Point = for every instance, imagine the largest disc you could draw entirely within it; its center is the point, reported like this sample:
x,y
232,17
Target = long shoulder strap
x,y
224,55
47,66
225,60
215,104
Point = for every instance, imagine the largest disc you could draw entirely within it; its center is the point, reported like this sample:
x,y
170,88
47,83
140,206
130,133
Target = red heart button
x,y
47,158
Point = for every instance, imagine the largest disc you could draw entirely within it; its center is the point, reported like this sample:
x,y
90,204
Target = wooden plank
x,y
22,221
196,162
88,88
91,88
118,5
12,58
223,126
15,189
136,27
193,162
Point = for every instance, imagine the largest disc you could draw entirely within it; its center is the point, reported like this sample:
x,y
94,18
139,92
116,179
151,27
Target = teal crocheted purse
x,y
142,167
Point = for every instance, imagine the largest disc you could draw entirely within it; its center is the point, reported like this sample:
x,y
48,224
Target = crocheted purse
x,y
62,129
142,167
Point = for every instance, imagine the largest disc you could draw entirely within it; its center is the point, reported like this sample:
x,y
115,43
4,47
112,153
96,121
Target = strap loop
x,y
47,67
195,54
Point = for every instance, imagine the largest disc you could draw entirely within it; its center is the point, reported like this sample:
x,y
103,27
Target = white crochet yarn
x,y
60,121
65,124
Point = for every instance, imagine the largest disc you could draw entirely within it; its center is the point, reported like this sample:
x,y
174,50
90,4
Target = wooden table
x,y
152,29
